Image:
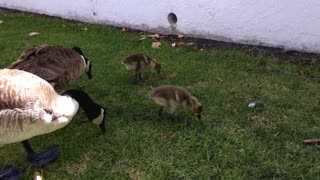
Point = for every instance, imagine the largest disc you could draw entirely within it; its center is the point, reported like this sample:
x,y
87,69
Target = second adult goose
x,y
58,65
29,106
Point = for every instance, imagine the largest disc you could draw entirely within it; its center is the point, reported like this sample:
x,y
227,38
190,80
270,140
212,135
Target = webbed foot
x,y
10,173
44,158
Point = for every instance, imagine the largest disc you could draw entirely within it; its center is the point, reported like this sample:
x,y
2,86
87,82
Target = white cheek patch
x,y
88,66
99,119
177,96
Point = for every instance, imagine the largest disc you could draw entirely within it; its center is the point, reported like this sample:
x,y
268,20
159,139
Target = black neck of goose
x,y
79,51
91,109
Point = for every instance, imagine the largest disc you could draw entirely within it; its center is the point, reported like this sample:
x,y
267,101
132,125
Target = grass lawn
x,y
231,141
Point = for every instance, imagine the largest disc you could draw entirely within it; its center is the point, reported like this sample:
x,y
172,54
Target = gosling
x,y
172,96
139,62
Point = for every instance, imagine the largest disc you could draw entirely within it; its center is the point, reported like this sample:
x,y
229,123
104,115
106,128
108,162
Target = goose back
x,y
57,65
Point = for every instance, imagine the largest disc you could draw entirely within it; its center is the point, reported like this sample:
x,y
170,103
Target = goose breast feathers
x,y
29,106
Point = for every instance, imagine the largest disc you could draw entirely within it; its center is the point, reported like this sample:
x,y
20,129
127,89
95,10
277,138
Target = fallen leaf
x,y
33,33
173,44
172,137
179,44
301,73
125,30
37,176
157,36
180,35
189,44
219,79
134,174
172,75
142,38
78,168
155,45
1,21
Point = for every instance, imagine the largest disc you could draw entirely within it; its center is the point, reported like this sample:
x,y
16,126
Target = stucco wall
x,y
290,24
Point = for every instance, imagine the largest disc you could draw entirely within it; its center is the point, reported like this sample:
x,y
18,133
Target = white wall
x,y
291,24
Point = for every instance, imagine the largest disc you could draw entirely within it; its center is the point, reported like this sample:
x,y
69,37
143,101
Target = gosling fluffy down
x,y
172,96
57,65
138,62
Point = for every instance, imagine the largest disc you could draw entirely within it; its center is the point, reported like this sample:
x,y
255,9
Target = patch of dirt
x,y
78,168
197,44
296,57
134,174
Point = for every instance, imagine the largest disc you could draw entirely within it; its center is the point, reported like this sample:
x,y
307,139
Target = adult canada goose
x,y
172,96
58,65
139,62
29,106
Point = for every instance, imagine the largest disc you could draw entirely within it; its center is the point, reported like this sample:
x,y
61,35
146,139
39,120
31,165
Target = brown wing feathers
x,y
55,64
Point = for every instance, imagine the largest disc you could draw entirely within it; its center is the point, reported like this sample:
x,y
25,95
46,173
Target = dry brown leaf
x,y
172,137
172,75
219,79
301,73
125,30
1,21
155,45
33,33
179,44
78,167
311,141
134,174
142,38
155,36
180,35
37,176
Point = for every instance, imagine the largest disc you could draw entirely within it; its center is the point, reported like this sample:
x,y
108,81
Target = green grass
x,y
231,142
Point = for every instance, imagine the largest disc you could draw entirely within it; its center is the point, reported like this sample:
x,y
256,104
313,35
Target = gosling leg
x,y
140,79
160,111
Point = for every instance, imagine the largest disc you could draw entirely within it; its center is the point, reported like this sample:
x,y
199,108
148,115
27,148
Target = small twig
x,y
311,141
284,72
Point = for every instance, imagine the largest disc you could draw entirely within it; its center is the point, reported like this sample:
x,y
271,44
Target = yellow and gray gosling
x,y
172,96
60,66
138,62
29,106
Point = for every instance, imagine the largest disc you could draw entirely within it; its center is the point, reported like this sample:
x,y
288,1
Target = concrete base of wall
x,y
288,24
